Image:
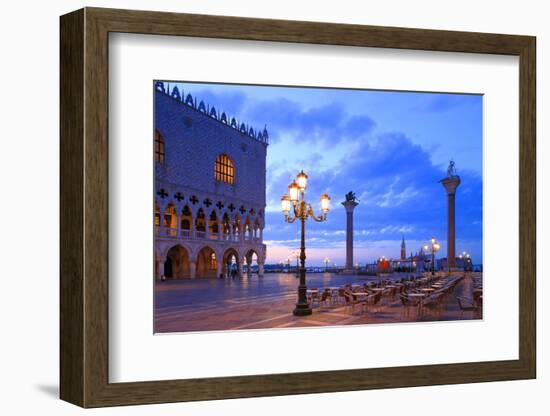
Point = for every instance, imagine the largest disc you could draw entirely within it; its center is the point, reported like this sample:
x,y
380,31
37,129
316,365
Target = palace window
x,y
159,147
224,170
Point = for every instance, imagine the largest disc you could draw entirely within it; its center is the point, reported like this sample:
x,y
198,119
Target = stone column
x,y
450,183
193,269
349,206
240,267
178,225
218,268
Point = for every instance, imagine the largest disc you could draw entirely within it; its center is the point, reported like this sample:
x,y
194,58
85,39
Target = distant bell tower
x,y
403,249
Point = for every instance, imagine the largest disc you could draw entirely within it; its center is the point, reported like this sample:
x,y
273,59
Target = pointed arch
x,y
186,222
230,262
213,225
236,230
200,223
247,229
207,262
157,215
256,229
170,220
177,263
226,226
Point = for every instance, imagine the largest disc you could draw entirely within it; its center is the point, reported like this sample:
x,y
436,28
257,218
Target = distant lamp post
x,y
296,255
326,261
383,263
434,248
465,257
302,210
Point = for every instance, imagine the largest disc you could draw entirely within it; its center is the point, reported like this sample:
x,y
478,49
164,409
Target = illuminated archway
x,y
207,263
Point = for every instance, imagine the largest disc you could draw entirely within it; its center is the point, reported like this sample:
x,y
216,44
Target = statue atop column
x,y
350,196
350,203
451,170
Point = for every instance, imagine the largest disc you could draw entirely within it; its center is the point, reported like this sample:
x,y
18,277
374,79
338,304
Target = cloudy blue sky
x,y
390,148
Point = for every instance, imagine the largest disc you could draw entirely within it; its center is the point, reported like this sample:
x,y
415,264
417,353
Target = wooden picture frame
x,y
84,207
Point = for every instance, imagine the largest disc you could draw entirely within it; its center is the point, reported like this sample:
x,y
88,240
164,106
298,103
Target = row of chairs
x,y
371,301
430,303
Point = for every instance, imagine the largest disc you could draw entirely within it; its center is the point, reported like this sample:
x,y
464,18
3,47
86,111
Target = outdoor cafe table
x,y
359,293
417,295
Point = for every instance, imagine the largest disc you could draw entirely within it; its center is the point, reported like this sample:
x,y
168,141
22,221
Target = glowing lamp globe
x,y
294,192
285,204
325,203
301,178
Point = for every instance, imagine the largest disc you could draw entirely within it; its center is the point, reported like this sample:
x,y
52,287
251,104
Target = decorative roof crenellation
x,y
259,135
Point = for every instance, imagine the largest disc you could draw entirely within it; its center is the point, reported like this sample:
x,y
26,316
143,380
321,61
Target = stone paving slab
x,y
276,312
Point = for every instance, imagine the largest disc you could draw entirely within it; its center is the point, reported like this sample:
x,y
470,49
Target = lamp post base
x,y
302,310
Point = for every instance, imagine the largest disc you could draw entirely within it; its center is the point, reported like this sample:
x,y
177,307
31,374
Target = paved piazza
x,y
252,303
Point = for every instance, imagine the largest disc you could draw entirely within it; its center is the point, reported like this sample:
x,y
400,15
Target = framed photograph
x,y
255,207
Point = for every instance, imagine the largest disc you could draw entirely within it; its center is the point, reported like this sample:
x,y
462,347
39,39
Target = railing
x,y
171,232
200,235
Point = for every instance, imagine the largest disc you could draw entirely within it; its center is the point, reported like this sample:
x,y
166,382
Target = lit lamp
x,y
325,203
285,204
434,249
302,210
294,192
465,257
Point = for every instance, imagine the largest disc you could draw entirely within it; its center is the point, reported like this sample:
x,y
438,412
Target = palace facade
x,y
210,190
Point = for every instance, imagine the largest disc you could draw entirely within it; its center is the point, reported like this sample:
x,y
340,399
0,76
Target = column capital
x,y
450,184
349,205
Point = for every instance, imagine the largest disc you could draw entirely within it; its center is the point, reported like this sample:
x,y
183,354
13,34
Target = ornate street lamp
x,y
302,210
434,248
